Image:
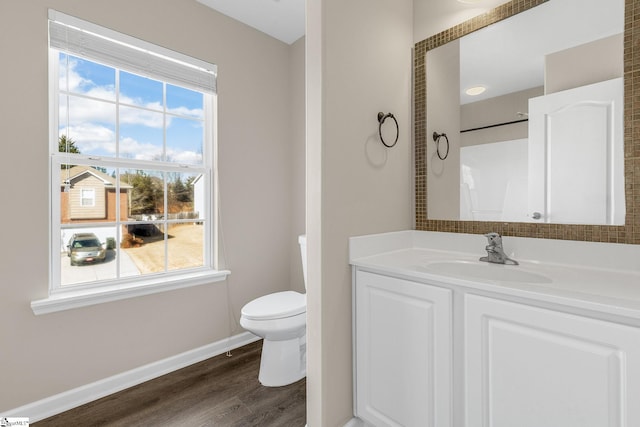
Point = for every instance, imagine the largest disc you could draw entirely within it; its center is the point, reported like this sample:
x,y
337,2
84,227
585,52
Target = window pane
x,y
184,141
86,77
146,195
185,102
87,193
143,239
186,196
90,126
141,134
140,91
89,254
144,244
185,246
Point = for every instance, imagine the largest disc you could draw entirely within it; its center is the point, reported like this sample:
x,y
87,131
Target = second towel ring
x,y
381,118
436,138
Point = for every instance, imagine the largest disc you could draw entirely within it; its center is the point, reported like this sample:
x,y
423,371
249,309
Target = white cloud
x,y
197,113
133,149
82,111
136,116
184,157
75,81
91,138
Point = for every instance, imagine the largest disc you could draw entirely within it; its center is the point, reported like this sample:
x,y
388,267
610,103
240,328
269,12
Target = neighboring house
x,y
88,195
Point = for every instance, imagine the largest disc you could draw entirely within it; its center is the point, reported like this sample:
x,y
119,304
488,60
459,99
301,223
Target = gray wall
x,y
585,64
49,354
358,64
443,116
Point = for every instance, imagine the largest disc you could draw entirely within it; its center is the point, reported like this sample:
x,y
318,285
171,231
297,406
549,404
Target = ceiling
x,y
285,19
282,19
502,63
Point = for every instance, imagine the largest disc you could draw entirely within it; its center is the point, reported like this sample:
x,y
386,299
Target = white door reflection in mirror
x,y
576,139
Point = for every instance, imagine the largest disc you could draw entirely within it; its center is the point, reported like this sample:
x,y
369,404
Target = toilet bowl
x,y
281,320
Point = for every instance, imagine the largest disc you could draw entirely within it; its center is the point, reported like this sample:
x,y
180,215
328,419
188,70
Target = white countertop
x,y
593,276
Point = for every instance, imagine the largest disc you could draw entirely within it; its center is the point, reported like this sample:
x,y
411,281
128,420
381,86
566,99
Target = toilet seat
x,y
276,306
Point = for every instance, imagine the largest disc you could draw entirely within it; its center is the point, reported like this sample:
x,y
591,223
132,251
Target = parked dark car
x,y
85,248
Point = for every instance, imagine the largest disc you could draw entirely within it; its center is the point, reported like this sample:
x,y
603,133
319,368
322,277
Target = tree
x,y
147,193
67,145
181,192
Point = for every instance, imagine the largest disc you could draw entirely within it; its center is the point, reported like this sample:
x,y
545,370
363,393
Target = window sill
x,y
70,299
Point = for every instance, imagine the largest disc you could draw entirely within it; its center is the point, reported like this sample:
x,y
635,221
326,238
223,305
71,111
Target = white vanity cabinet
x,y
519,364
403,333
529,367
551,342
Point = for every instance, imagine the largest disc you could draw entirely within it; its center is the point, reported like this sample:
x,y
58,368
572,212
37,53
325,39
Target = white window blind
x,y
88,40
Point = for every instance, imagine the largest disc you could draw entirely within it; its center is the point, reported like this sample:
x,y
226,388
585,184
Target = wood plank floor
x,y
221,391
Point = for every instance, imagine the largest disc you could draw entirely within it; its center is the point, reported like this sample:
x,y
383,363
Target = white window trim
x,y
115,292
69,297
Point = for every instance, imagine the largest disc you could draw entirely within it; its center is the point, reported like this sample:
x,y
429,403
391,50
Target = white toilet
x,y
281,320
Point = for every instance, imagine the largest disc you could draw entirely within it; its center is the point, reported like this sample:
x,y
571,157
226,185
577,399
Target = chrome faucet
x,y
495,252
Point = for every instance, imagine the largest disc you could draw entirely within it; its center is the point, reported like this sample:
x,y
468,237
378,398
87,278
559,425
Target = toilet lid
x,y
276,306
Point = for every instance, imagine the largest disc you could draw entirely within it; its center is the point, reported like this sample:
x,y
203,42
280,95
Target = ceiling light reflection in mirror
x,y
475,90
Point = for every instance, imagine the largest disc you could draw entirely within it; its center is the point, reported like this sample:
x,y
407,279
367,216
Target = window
x,y
88,197
132,161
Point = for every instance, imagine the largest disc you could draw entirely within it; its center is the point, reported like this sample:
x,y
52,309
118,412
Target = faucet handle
x,y
495,239
495,252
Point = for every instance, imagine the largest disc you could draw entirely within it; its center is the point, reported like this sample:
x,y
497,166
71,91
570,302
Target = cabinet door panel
x,y
533,367
403,356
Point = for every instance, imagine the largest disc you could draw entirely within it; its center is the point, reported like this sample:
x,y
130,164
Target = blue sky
x,y
143,125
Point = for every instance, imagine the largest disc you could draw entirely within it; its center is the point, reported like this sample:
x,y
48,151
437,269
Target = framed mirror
x,y
432,112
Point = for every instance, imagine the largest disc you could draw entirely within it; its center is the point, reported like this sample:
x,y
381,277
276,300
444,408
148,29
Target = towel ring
x,y
381,118
436,138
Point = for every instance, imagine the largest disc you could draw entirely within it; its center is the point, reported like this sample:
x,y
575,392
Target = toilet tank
x,y
302,240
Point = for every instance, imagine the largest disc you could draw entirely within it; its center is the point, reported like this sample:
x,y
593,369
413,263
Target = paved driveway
x,y
99,271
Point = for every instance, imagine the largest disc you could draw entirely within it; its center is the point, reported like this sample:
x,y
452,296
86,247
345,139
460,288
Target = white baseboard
x,y
353,422
70,399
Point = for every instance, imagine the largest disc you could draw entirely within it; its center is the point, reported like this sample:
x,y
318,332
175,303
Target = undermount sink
x,y
484,271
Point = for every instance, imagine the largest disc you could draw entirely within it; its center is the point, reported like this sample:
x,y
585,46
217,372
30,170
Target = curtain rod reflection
x,y
495,125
